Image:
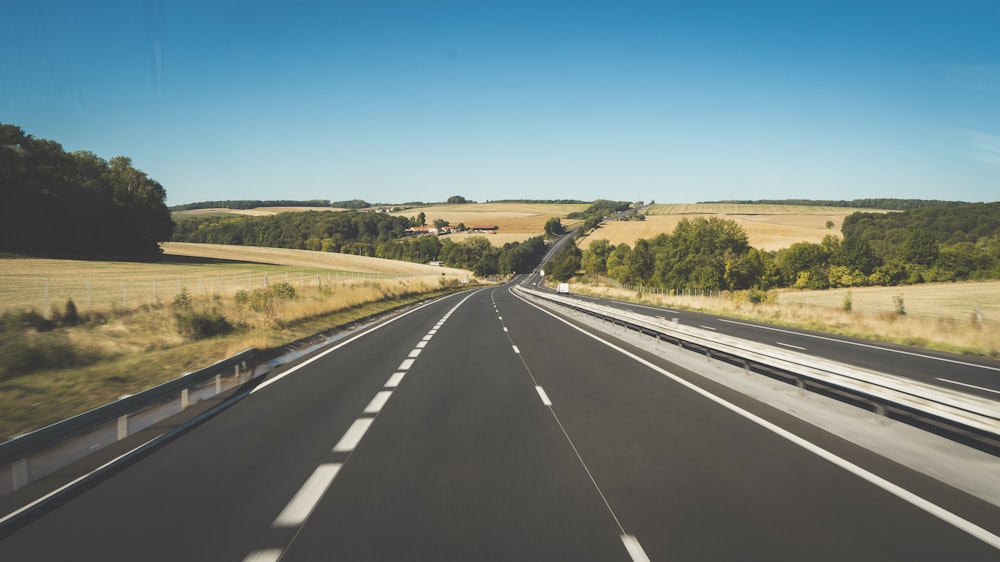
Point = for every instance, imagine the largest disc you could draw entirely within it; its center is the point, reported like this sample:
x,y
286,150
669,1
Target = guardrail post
x,y
122,427
20,473
708,354
746,367
236,373
218,384
802,386
184,399
880,413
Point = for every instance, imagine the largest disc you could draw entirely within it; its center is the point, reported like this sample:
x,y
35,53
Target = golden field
x,y
517,221
769,227
255,212
44,284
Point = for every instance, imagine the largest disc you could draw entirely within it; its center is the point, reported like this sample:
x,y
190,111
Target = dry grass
x,y
143,348
104,286
769,227
940,317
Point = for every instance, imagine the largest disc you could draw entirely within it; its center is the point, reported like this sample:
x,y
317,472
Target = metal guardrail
x,y
968,418
18,450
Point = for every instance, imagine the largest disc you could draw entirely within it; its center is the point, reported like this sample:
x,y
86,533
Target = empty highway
x,y
479,427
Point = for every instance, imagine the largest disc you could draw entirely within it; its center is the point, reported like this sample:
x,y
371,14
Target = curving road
x,y
479,427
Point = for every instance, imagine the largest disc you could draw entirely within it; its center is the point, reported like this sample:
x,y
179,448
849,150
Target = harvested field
x,y
769,227
46,284
517,221
255,212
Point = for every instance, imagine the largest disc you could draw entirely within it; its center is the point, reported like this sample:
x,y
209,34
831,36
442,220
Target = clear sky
x,y
403,101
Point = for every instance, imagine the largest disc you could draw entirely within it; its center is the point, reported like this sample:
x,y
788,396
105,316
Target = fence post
x,y
218,384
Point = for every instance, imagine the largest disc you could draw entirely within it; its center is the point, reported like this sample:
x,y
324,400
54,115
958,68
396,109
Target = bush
x,y
183,300
25,349
848,302
201,325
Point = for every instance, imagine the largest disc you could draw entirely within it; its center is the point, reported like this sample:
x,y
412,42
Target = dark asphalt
x,y
465,462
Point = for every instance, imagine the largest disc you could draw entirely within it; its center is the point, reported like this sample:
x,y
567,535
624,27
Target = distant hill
x,y
254,203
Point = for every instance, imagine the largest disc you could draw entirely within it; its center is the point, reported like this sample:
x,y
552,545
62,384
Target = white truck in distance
x,y
562,288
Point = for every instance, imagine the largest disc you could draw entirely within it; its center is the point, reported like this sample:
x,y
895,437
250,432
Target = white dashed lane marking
x,y
543,395
395,379
353,435
377,403
308,496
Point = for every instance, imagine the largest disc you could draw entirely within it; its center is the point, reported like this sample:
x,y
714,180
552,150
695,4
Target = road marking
x,y
421,344
902,493
414,353
708,328
790,345
302,504
427,337
405,365
432,332
377,403
880,348
353,435
516,350
395,379
542,395
505,328
270,555
634,548
969,385
500,317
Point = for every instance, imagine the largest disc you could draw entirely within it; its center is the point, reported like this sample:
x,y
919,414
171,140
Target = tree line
x,y
76,203
950,243
243,204
888,204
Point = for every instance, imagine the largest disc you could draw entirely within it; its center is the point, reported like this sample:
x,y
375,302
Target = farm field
x,y
769,227
517,221
202,269
255,212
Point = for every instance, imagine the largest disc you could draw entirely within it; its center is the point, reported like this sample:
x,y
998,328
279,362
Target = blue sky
x,y
403,101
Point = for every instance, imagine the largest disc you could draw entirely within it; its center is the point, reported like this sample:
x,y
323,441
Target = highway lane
x,y
480,428
973,375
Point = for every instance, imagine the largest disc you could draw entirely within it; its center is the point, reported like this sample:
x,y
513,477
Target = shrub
x,y
183,300
24,349
201,325
848,302
898,306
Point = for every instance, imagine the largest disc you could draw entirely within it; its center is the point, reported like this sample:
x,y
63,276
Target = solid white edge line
x,y
878,347
634,548
378,402
395,379
353,435
269,555
783,344
69,485
302,504
894,489
968,385
543,395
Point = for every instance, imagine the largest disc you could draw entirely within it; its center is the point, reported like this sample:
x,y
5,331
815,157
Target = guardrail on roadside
x,y
17,452
968,418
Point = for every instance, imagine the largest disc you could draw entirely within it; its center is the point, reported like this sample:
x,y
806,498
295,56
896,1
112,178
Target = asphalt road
x,y
482,428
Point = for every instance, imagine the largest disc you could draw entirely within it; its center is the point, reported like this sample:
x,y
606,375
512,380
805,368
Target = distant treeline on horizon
x,y
243,204
884,203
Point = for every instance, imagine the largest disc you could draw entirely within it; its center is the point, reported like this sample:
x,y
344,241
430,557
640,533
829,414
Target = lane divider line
x,y
405,365
353,435
634,548
414,353
395,379
308,496
377,403
543,395
516,350
269,555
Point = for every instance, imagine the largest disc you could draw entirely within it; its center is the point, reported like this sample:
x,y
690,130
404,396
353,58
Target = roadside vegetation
x,y
53,368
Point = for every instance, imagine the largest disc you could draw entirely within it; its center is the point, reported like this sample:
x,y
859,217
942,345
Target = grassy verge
x,y
957,332
139,349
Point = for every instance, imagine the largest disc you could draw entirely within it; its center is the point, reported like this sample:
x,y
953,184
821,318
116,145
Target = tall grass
x,y
959,330
103,356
